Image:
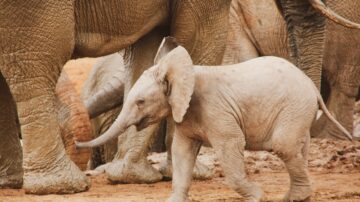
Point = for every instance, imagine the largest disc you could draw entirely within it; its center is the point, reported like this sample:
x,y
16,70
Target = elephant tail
x,y
332,119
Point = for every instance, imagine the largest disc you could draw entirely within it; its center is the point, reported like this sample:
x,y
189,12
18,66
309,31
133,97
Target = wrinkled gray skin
x,y
38,37
110,69
315,42
257,28
234,95
11,171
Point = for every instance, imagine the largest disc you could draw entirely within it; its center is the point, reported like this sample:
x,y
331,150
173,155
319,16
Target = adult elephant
x,y
38,37
256,28
316,41
302,37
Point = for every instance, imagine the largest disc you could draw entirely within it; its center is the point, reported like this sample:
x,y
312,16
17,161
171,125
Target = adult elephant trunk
x,y
306,35
326,11
105,87
73,120
107,98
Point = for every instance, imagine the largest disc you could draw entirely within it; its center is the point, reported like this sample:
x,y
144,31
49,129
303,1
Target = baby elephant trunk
x,y
116,129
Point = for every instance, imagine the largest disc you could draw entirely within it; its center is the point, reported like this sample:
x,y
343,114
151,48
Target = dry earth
x,y
334,169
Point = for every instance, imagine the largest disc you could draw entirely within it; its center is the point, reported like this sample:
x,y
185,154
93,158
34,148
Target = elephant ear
x,y
167,44
175,70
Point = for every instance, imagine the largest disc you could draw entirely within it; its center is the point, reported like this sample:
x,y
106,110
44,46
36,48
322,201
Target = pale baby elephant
x,y
261,104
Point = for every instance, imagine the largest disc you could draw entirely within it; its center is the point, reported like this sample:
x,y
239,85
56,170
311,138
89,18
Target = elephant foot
x,y
166,170
59,180
11,181
298,194
200,172
178,198
120,171
97,171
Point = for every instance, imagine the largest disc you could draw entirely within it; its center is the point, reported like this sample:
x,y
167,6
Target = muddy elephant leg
x,y
184,151
200,172
73,120
130,164
306,38
47,167
31,58
11,171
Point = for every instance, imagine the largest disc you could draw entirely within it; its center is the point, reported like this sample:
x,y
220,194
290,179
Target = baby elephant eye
x,y
140,102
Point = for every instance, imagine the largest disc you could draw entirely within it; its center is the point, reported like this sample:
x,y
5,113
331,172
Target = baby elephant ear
x,y
167,44
177,68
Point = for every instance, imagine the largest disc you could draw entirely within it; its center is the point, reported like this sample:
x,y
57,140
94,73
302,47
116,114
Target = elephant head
x,y
163,89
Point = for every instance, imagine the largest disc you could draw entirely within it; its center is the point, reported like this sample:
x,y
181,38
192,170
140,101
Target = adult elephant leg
x,y
73,120
11,171
130,164
31,57
105,153
306,28
356,132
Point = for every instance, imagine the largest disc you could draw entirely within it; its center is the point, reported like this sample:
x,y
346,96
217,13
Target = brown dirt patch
x,y
333,165
327,187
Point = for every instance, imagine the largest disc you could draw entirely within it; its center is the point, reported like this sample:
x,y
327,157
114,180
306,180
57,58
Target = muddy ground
x,y
334,169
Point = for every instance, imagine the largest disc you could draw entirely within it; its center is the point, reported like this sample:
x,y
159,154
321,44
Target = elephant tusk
x,y
326,11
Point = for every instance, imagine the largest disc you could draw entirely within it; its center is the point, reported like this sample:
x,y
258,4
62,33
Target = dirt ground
x,y
334,169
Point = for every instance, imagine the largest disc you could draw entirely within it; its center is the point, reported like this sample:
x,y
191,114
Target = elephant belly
x,y
104,27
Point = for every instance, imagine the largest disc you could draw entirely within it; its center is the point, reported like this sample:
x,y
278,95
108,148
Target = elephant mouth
x,y
145,122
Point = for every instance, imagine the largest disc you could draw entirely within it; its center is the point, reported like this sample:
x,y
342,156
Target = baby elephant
x,y
262,104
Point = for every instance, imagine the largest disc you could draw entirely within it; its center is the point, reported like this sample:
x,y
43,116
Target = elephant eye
x,y
140,102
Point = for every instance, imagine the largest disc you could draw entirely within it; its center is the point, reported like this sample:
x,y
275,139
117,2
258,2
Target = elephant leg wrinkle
x,y
130,164
11,171
47,167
